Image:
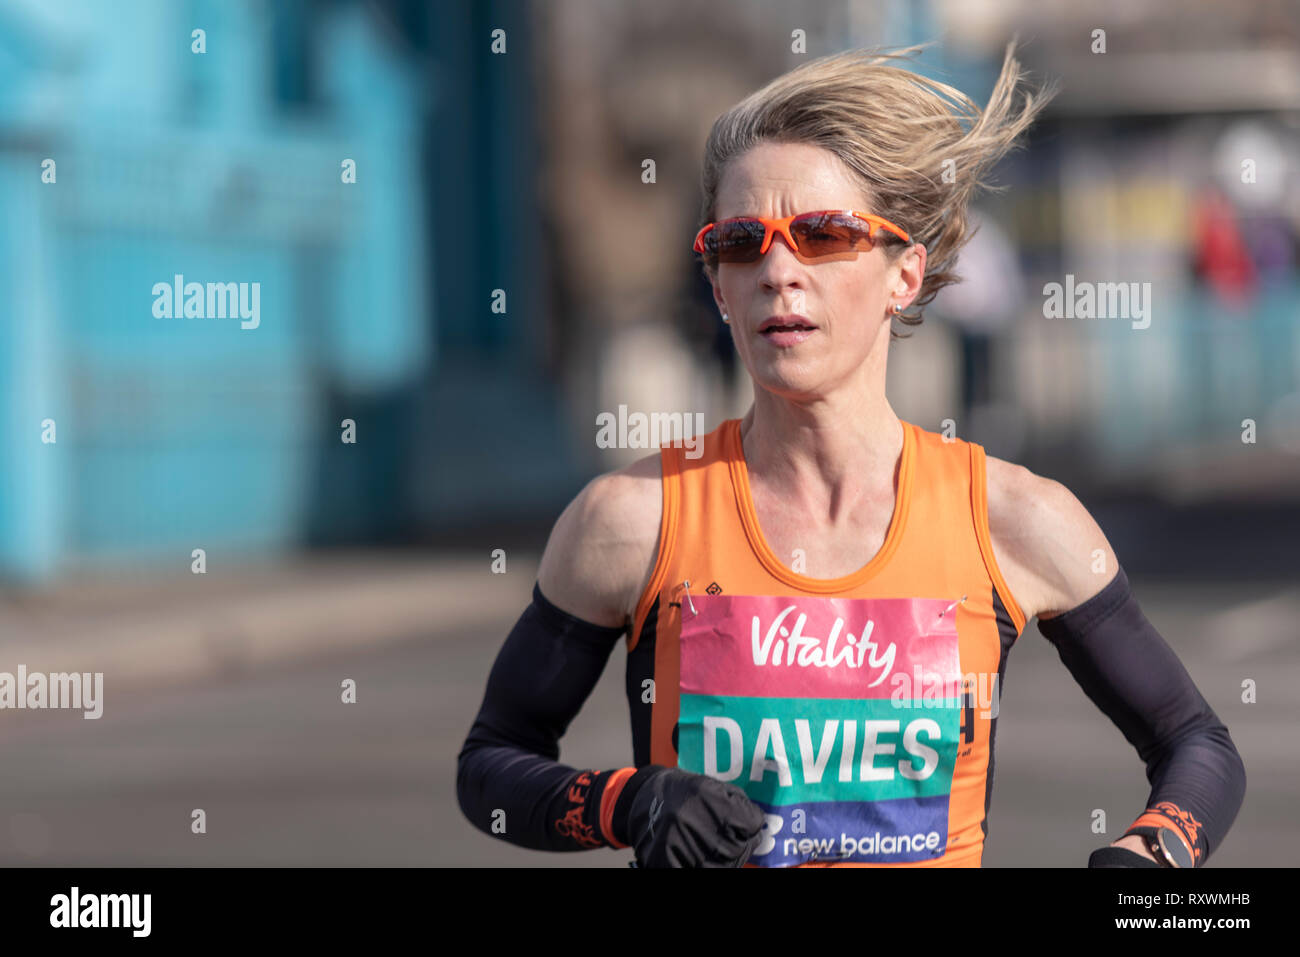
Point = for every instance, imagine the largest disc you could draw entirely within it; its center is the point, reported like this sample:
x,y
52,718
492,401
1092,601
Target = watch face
x,y
1172,848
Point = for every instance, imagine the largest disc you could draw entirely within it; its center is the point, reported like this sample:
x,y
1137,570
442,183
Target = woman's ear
x,y
911,273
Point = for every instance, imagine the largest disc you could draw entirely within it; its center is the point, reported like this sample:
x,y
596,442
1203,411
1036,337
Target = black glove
x,y
679,819
1119,857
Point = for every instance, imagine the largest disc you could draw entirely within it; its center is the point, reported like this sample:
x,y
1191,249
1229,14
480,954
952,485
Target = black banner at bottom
x,y
121,906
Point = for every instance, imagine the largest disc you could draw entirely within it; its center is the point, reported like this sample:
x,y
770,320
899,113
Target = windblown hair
x,y
896,131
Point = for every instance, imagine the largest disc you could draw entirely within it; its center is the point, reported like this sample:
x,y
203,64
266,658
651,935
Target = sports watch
x,y
1166,845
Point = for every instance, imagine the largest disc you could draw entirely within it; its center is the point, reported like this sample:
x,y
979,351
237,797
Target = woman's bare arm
x,y
603,547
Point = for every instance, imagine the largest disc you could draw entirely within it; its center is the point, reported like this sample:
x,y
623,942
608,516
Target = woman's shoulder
x,y
1050,550
603,547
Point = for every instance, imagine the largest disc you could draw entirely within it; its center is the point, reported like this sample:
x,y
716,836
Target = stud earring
x,y
897,308
725,319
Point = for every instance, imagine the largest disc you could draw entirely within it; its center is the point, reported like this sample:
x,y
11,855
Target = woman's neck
x,y
842,443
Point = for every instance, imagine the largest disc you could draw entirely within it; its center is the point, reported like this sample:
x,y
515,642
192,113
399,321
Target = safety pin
x,y
686,586
952,606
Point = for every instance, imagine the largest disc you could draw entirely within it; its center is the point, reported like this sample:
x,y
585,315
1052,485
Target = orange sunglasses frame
x,y
782,226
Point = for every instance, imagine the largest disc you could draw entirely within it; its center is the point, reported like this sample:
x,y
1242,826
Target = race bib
x,y
839,717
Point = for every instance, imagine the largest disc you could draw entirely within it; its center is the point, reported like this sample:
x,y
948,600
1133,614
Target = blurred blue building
x,y
128,158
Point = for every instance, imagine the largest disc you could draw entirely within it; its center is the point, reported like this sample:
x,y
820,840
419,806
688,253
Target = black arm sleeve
x,y
1131,674
509,781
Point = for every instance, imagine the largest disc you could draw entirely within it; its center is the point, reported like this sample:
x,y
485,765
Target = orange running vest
x,y
858,712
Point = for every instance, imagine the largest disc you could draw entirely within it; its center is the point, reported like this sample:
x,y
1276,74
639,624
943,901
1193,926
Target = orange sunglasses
x,y
745,238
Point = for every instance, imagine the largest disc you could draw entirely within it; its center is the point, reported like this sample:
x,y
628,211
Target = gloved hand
x,y
1119,857
680,819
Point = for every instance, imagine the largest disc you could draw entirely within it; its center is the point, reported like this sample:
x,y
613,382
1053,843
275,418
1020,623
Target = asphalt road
x,y
288,774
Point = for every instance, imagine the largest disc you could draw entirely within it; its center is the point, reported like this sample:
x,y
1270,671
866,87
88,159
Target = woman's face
x,y
845,297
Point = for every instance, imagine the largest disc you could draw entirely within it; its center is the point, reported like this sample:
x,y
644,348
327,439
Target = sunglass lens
x,y
737,241
828,233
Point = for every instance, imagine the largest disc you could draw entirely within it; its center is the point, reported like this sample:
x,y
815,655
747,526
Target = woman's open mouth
x,y
786,330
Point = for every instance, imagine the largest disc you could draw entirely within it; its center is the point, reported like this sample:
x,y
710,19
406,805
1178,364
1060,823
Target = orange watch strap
x,y
608,798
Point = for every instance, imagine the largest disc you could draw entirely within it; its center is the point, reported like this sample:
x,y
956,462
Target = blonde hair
x,y
898,132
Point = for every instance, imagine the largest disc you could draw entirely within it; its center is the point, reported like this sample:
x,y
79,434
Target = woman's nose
x,y
779,262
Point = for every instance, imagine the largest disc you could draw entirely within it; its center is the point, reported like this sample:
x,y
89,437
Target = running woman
x,y
818,609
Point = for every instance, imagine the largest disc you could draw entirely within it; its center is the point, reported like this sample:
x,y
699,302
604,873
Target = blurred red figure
x,y
1221,256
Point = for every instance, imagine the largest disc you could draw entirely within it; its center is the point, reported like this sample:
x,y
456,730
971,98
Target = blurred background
x,y
497,274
